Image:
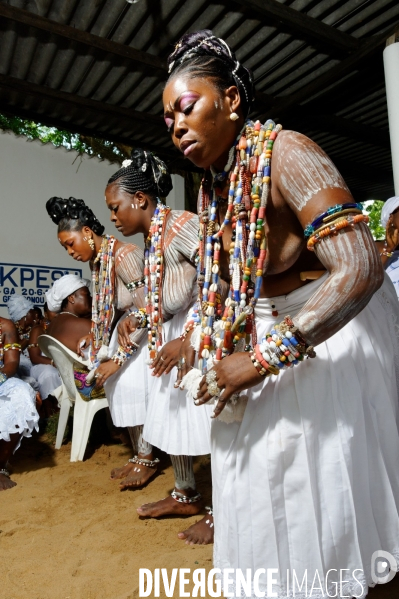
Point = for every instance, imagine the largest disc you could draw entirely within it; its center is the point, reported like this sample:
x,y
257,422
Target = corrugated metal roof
x,y
317,65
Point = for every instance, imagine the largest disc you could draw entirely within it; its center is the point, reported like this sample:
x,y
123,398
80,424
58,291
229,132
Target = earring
x,y
234,116
90,241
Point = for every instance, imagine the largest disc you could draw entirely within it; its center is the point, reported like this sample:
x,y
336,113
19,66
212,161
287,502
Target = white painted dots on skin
x,y
305,170
352,259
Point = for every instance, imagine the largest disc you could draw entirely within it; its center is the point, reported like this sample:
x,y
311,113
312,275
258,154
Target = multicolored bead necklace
x,y
103,295
153,278
246,209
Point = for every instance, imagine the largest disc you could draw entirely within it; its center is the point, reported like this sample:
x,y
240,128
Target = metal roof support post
x,y
391,67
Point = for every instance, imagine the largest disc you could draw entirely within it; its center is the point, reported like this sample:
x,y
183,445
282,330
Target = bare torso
x,y
69,329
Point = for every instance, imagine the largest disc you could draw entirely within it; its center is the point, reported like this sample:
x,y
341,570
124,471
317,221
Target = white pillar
x,y
391,67
176,197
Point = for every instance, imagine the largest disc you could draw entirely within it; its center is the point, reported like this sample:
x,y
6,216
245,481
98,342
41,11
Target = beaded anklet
x,y
144,462
334,227
5,472
180,498
333,211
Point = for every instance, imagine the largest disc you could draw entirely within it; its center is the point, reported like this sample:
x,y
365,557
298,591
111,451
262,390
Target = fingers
x,y
162,365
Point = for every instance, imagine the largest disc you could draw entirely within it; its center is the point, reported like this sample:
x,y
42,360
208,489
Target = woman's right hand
x,y
125,328
186,358
83,343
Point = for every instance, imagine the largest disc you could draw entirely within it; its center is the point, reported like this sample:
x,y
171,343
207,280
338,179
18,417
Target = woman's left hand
x,y
233,374
104,371
167,358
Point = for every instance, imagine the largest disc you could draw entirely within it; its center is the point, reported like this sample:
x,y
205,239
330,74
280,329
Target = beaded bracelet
x,y
135,284
124,353
32,345
189,326
280,349
141,317
3,378
11,346
333,211
334,227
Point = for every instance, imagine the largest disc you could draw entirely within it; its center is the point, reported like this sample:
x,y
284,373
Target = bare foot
x,y
200,533
6,483
169,507
138,476
122,472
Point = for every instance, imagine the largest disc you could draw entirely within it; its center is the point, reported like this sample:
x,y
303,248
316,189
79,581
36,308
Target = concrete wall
x,y
30,173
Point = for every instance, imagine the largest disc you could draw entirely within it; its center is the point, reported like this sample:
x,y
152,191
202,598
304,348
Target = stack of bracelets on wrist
x,y
3,378
141,317
10,346
332,221
124,353
280,349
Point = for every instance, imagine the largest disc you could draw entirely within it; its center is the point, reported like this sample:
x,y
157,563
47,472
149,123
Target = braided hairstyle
x,y
201,54
72,215
143,172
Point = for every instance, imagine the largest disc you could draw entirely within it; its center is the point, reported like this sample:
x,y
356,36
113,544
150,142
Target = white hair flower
x,y
126,163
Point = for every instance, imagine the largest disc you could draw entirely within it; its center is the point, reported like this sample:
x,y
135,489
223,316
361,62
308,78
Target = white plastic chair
x,y
84,411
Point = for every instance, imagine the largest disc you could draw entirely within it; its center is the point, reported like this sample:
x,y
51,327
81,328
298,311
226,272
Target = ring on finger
x,y
162,358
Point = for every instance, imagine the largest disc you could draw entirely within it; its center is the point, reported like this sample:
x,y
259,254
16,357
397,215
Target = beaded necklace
x,y
103,295
249,186
153,278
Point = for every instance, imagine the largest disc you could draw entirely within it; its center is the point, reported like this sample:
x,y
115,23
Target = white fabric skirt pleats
x,y
48,378
309,480
127,390
174,424
18,412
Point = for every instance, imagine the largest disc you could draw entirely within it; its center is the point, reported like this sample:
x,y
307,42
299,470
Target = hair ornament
x,y
144,167
126,163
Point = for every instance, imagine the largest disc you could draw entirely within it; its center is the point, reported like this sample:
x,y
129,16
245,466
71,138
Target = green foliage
x,y
373,209
72,141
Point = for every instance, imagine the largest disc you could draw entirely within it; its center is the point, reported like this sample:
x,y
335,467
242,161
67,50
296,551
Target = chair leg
x,y
62,422
82,420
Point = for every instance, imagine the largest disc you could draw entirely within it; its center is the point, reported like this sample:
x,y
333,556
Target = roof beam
x,y
331,123
302,25
102,108
321,84
82,37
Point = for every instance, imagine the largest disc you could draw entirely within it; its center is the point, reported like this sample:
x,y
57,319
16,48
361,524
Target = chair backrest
x,y
63,359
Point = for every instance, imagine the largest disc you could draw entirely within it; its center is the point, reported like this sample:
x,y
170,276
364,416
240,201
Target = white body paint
x,y
316,171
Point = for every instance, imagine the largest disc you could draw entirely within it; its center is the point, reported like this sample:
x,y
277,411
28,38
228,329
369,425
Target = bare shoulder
x,y
305,175
7,325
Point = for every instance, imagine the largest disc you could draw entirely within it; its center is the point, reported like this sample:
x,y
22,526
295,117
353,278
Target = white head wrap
x,y
389,207
18,307
63,287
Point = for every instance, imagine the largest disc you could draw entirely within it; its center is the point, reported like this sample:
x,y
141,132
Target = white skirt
x,y
127,390
48,378
173,423
309,480
18,412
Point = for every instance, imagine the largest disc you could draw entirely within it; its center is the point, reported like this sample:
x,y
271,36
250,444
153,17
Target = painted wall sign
x,y
29,280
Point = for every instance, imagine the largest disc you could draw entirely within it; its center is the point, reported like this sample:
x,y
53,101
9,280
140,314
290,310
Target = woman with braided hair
x,y
304,452
171,238
117,288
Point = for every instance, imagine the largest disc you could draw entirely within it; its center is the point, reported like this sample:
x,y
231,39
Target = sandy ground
x,y
67,532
